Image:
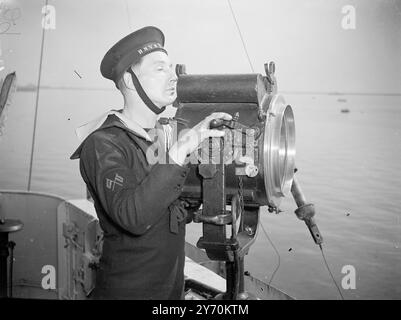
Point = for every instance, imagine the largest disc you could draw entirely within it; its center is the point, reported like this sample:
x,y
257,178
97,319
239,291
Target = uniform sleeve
x,y
133,205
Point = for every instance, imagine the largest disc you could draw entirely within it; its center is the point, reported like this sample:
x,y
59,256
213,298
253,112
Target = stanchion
x,y
6,226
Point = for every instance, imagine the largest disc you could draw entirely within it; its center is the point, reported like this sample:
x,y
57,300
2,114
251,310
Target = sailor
x,y
137,202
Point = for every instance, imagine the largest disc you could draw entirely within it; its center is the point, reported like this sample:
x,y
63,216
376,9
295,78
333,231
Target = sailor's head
x,y
139,62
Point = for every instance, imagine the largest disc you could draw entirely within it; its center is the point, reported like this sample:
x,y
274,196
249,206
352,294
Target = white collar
x,y
85,130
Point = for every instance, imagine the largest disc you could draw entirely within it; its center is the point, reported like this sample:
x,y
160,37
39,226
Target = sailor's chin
x,y
171,97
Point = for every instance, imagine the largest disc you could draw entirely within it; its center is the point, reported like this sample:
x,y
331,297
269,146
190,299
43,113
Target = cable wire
x,y
128,16
328,268
36,105
250,64
264,231
240,34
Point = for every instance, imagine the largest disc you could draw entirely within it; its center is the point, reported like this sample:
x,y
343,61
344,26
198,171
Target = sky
x,y
306,39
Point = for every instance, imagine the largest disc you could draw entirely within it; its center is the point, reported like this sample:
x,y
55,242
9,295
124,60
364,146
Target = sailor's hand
x,y
190,140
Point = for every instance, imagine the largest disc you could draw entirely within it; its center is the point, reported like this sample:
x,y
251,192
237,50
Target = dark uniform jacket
x,y
139,212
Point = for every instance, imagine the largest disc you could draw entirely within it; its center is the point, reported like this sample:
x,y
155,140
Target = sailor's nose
x,y
173,76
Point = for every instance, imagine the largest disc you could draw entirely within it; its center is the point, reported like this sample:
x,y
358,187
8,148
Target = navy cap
x,y
130,50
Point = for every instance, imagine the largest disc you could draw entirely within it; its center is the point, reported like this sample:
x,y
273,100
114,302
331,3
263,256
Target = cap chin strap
x,y
143,94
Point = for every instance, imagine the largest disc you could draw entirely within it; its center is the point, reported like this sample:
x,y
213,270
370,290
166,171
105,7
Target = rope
x,y
36,106
327,266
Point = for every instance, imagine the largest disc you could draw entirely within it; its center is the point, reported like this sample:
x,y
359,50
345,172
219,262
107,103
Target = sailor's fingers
x,y
218,115
213,133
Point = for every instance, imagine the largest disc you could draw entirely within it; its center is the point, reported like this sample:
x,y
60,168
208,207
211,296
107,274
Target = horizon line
x,y
32,88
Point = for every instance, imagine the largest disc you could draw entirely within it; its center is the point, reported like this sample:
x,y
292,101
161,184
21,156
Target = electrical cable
x,y
328,268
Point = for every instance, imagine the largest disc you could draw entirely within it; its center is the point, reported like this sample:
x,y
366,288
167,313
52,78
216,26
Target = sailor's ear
x,y
127,81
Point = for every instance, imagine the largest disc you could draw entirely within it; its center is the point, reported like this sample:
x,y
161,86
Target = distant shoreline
x,y
341,93
32,88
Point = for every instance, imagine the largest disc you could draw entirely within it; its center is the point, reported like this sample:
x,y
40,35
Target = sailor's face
x,y
157,77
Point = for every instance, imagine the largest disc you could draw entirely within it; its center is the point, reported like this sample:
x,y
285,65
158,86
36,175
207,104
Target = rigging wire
x,y
278,254
328,268
36,105
240,34
128,16
250,64
264,231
